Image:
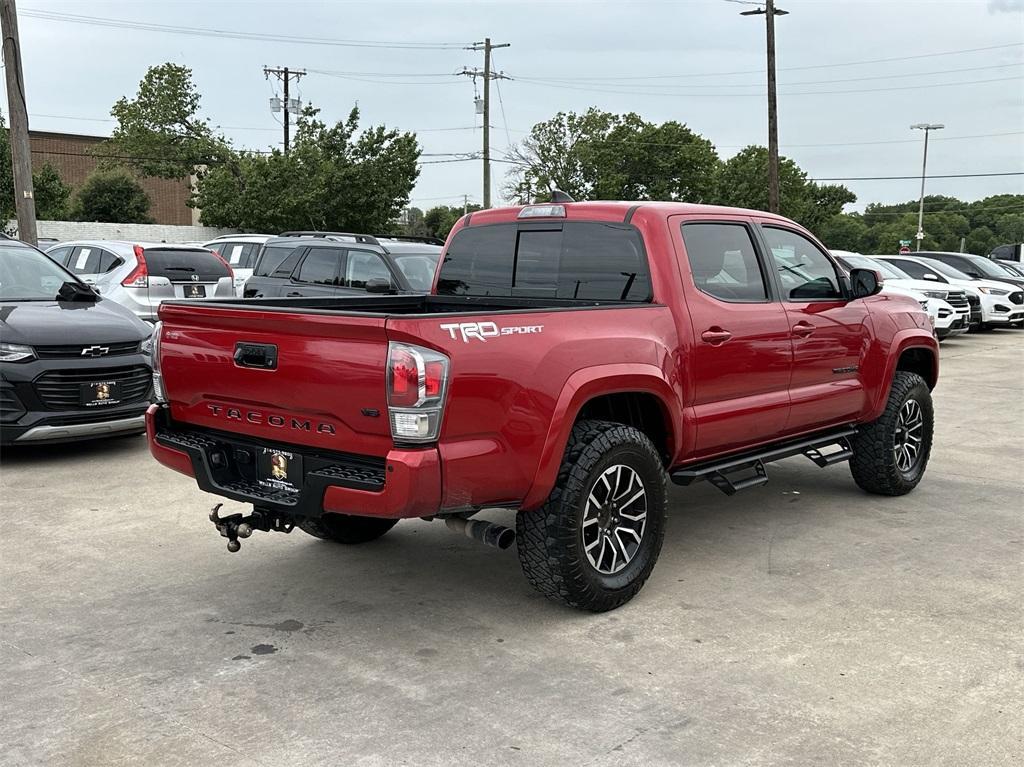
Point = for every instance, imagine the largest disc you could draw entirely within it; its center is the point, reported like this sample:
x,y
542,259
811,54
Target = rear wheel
x,y
346,528
891,453
595,541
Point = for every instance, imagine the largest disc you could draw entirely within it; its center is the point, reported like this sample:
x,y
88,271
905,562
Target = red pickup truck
x,y
571,358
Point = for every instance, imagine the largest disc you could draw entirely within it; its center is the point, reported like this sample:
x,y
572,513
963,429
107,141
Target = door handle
x,y
293,294
803,329
715,336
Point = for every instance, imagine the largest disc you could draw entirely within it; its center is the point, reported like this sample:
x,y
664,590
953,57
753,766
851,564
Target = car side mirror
x,y
930,276
379,285
865,282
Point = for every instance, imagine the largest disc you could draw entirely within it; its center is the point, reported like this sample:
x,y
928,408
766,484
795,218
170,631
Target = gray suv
x,y
140,276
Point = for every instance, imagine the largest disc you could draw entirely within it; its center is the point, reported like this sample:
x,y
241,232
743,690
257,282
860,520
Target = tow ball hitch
x,y
235,526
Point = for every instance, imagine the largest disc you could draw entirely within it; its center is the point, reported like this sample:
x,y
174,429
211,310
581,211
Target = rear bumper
x,y
406,483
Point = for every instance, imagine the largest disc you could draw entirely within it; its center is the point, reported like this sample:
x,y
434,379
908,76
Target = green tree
x,y
743,182
440,219
600,155
159,132
112,196
50,192
334,177
843,232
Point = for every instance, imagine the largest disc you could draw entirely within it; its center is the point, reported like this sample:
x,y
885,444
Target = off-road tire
x,y
346,528
550,540
873,464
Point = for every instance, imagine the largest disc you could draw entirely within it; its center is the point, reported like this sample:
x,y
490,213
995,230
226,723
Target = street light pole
x,y
926,127
770,12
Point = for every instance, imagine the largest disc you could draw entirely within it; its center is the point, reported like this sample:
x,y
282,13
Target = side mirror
x,y
930,276
865,282
379,285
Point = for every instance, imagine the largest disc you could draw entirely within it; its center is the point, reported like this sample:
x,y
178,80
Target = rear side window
x,y
60,255
181,265
85,260
582,260
723,262
241,255
272,258
320,266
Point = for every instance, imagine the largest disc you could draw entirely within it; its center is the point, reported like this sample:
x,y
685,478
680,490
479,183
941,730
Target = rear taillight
x,y
231,272
159,395
417,384
139,278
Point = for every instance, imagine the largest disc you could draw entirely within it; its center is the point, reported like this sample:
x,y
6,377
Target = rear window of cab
x,y
591,261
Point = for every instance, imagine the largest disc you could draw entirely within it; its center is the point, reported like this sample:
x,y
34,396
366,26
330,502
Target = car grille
x,y
61,389
75,350
958,299
1017,297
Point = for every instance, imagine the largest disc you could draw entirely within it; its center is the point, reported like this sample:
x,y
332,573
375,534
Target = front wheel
x,y
346,528
890,454
595,541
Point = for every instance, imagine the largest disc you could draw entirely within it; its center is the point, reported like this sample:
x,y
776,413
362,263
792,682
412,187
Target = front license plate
x,y
100,393
279,469
193,291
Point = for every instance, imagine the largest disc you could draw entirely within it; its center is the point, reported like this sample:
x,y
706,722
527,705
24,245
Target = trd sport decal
x,y
481,331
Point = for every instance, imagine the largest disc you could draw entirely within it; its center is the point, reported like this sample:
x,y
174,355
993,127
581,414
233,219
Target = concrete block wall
x,y
86,230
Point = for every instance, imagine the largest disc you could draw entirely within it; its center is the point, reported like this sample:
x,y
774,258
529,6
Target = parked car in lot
x,y
990,300
570,358
142,275
947,306
1011,251
241,252
329,264
73,365
977,267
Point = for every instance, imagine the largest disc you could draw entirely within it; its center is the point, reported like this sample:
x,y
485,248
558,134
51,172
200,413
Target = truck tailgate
x,y
327,389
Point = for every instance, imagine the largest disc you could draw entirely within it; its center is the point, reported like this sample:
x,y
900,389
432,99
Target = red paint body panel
x,y
512,399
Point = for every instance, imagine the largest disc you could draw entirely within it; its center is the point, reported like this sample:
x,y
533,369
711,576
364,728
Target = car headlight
x,y
936,294
995,291
146,347
16,353
924,305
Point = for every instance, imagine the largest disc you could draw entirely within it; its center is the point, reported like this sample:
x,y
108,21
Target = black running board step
x,y
740,472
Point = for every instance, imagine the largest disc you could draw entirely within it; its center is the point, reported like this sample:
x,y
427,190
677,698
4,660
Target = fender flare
x,y
581,387
903,341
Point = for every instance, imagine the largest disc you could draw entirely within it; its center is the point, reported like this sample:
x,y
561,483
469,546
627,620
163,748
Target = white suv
x,y
241,252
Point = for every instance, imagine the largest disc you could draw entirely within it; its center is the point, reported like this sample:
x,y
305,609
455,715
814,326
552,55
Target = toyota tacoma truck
x,y
570,359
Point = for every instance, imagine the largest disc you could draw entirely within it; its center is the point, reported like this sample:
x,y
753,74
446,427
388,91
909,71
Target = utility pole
x,y
486,46
927,128
465,204
289,105
770,12
21,152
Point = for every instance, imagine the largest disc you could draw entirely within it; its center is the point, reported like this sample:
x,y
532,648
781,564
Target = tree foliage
x,y
50,192
159,132
112,196
983,224
439,220
334,178
600,155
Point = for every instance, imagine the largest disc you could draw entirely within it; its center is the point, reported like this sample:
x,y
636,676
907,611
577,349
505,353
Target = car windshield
x,y
28,275
418,268
946,269
887,270
987,267
1015,271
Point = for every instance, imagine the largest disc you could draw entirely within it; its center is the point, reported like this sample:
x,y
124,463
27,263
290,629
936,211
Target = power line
x,y
903,178
97,21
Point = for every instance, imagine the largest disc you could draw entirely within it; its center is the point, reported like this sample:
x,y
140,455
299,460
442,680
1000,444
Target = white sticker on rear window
x,y
236,254
83,256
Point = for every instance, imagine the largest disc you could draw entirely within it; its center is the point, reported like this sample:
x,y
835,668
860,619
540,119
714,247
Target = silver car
x,y
240,251
140,275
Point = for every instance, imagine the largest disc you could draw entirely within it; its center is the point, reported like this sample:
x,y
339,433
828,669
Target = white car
x,y
949,304
993,298
241,252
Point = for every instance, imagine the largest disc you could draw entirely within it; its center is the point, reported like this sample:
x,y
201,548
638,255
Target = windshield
x,y
1012,270
887,270
418,268
28,275
946,269
987,267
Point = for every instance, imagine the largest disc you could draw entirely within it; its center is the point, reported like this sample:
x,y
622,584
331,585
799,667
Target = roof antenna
x,y
558,196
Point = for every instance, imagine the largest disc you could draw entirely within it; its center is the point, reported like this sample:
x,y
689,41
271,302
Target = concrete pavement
x,y
801,623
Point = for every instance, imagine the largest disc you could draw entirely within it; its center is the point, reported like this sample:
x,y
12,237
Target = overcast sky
x,y
570,56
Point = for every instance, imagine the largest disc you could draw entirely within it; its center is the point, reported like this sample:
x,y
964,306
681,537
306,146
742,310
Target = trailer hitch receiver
x,y
235,526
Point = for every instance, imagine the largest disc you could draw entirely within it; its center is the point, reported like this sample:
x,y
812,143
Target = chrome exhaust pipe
x,y
488,533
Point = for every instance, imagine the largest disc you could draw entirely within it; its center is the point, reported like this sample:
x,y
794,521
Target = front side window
x,y
363,266
805,272
60,255
320,266
723,262
575,260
